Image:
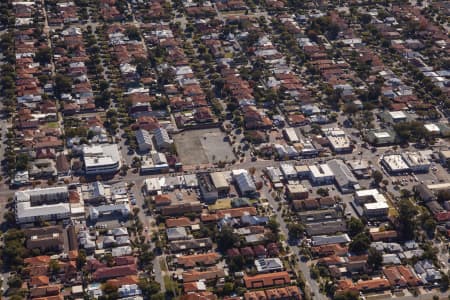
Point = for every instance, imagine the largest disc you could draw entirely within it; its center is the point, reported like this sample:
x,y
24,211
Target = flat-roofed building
x,y
381,137
288,171
207,189
444,156
416,161
220,182
321,174
394,163
374,203
296,191
290,134
338,140
48,204
101,159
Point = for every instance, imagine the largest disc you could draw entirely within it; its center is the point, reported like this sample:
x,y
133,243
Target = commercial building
x,y
373,202
101,159
220,182
296,191
344,178
360,168
396,116
338,140
444,156
381,137
98,211
394,163
244,182
321,174
155,163
144,140
416,161
49,204
208,191
288,171
290,134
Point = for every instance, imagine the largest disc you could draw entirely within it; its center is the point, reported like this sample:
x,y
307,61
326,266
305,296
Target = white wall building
x,y
101,159
338,140
416,161
50,204
394,163
321,174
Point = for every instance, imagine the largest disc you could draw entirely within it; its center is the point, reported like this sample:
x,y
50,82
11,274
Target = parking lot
x,y
203,147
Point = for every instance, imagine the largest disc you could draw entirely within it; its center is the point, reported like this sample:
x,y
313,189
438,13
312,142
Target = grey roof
x,y
176,233
329,227
319,240
190,244
342,174
162,137
268,264
245,182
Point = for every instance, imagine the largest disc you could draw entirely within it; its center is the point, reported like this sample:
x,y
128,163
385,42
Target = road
x,y
310,283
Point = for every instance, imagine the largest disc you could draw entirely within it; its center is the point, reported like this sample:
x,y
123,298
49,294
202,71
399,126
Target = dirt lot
x,y
203,146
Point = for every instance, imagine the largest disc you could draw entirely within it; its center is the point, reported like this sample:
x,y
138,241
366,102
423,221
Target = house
x,y
181,209
103,273
45,238
401,276
210,274
266,280
288,292
203,259
192,244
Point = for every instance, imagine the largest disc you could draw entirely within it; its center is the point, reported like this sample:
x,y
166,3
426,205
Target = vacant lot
x,y
203,146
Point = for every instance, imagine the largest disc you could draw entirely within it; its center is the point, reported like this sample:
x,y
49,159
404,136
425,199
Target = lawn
x,y
221,204
52,125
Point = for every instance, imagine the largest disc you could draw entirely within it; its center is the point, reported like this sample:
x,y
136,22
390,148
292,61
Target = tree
x,y
445,282
54,267
15,282
406,219
322,192
110,292
360,243
377,177
63,84
374,259
226,238
347,295
295,230
355,226
149,287
43,55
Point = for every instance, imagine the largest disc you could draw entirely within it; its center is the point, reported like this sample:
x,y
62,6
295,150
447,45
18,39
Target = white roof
x,y
397,114
432,127
322,170
395,162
